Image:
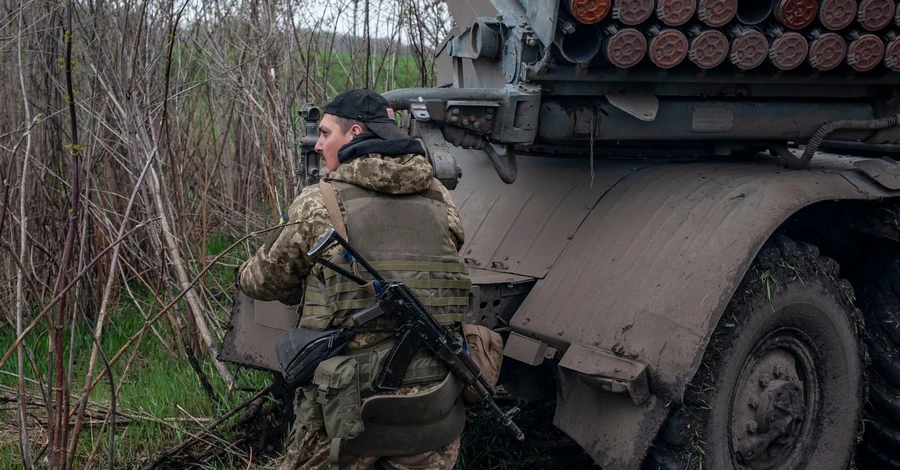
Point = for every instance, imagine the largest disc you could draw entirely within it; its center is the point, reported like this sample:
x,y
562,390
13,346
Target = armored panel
x,y
650,271
522,228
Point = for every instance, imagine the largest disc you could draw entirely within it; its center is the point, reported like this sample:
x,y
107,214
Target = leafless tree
x,y
130,131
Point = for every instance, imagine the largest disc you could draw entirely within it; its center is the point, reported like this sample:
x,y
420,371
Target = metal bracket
x,y
782,151
884,171
420,112
527,350
442,162
643,107
606,371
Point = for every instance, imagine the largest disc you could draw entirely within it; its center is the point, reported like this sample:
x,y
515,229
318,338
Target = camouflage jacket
x,y
279,267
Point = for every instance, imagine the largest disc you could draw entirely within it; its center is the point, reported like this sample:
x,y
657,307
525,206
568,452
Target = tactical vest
x,y
405,237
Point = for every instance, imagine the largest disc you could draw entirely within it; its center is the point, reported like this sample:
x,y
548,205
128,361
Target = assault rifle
x,y
417,328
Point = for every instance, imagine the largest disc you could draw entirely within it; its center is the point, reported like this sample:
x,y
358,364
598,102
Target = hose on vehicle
x,y
507,172
842,124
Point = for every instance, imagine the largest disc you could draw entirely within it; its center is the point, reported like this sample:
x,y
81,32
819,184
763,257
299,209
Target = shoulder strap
x,y
329,196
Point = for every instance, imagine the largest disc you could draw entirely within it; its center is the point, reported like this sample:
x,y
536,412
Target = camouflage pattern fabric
x,y
310,451
279,267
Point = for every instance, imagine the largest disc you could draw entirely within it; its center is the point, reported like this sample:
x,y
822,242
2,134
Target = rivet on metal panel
x,y
525,321
560,333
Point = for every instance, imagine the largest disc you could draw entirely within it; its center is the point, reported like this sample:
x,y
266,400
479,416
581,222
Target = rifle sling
x,y
329,197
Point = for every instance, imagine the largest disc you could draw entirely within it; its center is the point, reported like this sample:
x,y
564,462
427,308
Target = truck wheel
x,y
879,299
781,382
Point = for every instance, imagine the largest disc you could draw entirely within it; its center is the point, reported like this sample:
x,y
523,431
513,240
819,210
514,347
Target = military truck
x,y
684,217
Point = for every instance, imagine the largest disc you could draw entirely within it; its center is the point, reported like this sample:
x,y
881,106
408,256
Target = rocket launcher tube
x,y
754,11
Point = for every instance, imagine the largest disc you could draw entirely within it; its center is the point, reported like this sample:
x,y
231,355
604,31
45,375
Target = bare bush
x,y
130,132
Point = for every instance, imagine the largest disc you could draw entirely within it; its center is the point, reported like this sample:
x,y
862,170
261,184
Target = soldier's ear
x,y
356,130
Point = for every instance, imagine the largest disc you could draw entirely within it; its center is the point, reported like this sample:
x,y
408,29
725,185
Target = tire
x,y
879,298
781,382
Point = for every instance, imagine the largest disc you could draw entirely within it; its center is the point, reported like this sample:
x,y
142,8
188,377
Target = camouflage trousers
x,y
310,451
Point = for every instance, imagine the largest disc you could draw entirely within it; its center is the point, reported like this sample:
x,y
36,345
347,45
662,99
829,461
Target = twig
x,y
59,296
181,295
187,444
104,305
59,434
24,444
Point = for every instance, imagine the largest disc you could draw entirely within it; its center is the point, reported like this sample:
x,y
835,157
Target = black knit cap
x,y
369,108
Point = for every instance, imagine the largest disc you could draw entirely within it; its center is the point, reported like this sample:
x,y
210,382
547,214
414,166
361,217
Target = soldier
x,y
380,192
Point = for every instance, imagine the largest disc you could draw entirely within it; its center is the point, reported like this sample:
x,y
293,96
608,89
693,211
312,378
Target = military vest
x,y
406,238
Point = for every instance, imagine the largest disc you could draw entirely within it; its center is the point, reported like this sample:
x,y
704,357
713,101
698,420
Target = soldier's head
x,y
350,114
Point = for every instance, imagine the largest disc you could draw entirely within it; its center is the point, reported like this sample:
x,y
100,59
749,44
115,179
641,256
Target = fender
x,y
637,262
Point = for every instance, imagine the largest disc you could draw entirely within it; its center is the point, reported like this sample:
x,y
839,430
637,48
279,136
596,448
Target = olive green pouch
x,y
306,406
338,389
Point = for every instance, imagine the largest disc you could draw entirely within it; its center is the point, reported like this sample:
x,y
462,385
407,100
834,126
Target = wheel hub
x,y
775,403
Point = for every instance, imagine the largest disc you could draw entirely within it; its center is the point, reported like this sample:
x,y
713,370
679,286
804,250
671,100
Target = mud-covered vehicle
x,y
683,216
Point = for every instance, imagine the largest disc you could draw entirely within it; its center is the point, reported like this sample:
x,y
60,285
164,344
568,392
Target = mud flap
x,y
609,426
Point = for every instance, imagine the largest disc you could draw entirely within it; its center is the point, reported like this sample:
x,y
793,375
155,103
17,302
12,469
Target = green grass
x,y
339,71
159,381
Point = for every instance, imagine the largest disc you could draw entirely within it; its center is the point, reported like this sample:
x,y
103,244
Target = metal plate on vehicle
x,y
527,350
643,107
883,171
608,372
522,228
712,119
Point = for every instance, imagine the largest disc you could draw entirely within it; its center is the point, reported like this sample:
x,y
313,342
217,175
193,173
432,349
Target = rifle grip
x,y
398,361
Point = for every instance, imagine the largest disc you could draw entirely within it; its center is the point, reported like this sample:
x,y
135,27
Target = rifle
x,y
417,328
309,158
